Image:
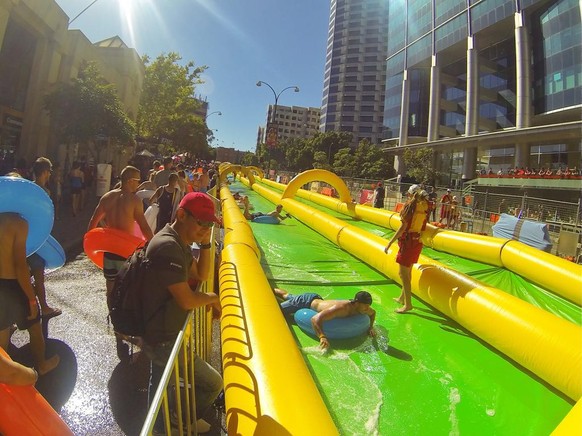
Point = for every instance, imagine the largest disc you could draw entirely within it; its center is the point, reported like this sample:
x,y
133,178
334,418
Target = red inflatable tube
x,y
24,412
100,240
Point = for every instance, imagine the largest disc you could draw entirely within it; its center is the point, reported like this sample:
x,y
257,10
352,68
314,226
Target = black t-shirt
x,y
170,263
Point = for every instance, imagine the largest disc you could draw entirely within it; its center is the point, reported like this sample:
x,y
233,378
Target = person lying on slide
x,y
327,309
276,213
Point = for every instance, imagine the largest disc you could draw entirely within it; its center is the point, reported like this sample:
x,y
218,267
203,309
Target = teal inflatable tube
x,y
266,219
336,328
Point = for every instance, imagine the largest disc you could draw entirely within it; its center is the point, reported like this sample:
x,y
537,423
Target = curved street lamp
x,y
81,13
215,112
295,89
273,128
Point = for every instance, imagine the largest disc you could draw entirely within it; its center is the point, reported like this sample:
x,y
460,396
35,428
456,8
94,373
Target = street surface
x,y
99,395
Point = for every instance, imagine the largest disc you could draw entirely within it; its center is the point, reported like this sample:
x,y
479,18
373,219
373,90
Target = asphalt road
x,y
95,393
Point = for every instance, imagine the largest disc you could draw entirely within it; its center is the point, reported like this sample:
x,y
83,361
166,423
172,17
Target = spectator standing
x,y
445,207
379,195
170,296
166,196
41,170
432,200
56,182
163,176
204,180
76,181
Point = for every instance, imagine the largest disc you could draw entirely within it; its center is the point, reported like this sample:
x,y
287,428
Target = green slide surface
x,y
423,373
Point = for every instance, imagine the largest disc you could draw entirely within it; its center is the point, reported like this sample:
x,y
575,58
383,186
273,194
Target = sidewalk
x,y
69,230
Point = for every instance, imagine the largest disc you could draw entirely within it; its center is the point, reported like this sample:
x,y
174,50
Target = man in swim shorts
x,y
327,309
41,170
275,213
120,208
18,303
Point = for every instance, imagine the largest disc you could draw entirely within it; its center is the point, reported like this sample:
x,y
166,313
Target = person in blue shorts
x,y
327,309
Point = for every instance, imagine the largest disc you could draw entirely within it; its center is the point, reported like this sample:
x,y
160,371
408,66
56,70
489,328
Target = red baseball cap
x,y
200,206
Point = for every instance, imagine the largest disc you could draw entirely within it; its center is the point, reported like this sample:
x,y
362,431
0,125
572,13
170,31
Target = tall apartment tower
x,y
485,84
355,69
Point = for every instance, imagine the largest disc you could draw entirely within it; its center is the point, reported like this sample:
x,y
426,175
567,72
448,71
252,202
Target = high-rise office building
x,y
493,84
353,89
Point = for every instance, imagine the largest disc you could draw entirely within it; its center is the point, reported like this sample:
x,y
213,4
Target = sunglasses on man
x,y
207,224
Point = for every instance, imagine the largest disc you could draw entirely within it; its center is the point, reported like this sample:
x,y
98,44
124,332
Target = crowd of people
x,y
560,172
186,215
172,283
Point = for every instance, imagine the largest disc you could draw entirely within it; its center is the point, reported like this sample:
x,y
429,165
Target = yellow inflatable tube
x,y
558,275
268,388
541,342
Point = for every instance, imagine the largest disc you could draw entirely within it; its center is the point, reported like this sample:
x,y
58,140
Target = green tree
x,y
330,143
86,107
298,154
249,159
344,162
320,161
420,165
370,161
167,105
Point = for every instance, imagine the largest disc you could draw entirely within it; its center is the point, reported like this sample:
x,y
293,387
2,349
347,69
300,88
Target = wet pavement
x,y
94,392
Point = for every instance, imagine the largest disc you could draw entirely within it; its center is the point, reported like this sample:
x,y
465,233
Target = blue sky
x,y
281,42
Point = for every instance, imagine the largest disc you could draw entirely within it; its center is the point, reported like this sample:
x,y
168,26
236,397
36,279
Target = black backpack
x,y
126,303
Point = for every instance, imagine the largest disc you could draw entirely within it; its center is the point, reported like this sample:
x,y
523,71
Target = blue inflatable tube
x,y
30,201
266,219
52,253
336,328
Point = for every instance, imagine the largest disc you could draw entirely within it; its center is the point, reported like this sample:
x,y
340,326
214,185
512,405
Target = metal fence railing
x,y
479,211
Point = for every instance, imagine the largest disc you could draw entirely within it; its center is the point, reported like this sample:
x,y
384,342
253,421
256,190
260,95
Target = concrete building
x,y
292,122
355,69
224,154
485,84
37,52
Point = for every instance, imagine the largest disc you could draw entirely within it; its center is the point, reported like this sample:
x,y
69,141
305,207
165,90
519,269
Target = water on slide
x,y
423,373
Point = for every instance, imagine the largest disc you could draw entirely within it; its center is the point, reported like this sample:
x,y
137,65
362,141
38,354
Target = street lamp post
x,y
215,112
80,13
272,140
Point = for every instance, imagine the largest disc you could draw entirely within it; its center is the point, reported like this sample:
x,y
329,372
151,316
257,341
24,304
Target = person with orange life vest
x,y
413,218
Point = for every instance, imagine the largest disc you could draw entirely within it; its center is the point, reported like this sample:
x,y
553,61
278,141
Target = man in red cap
x,y
170,296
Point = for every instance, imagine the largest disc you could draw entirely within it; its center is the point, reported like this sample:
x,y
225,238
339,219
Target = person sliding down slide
x,y
327,309
275,214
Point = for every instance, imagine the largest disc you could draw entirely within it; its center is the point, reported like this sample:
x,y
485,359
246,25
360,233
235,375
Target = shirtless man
x,y
18,303
41,170
251,216
120,208
327,309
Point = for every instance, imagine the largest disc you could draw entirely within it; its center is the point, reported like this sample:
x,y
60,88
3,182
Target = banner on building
x,y
272,139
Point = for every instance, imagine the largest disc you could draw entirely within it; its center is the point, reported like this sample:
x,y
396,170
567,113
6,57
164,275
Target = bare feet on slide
x,y
398,300
403,309
281,293
48,365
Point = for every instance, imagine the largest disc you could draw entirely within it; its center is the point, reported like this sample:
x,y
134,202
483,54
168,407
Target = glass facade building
x,y
355,69
504,75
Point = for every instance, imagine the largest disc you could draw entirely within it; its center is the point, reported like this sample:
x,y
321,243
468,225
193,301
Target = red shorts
x,y
409,251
